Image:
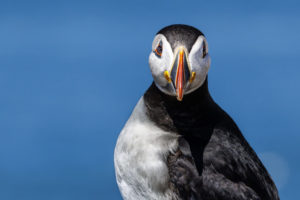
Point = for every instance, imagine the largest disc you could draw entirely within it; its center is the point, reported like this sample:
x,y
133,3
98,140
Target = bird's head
x,y
179,60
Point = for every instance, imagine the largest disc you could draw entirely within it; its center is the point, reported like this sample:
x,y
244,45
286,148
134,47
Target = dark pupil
x,y
159,49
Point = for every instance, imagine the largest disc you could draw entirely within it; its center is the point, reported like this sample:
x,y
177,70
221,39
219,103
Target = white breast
x,y
140,158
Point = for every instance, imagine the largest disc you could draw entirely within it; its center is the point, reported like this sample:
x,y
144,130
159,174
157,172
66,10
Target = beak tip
x,y
179,98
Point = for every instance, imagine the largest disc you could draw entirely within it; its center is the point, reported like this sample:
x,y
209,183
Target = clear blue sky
x,y
72,71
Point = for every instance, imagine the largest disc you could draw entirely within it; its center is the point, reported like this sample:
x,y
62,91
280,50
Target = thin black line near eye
x,y
204,50
158,50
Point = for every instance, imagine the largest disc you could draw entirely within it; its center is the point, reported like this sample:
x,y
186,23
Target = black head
x,y
180,34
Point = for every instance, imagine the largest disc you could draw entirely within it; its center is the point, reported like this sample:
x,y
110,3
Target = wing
x,y
226,168
230,157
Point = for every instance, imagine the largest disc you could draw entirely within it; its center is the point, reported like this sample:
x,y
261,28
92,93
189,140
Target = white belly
x,y
140,158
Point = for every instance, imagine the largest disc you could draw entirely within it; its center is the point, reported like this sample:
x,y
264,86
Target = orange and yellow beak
x,y
180,74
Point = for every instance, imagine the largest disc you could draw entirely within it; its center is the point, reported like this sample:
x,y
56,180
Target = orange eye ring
x,y
158,50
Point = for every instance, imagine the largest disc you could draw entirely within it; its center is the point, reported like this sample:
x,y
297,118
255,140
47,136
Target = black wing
x,y
225,169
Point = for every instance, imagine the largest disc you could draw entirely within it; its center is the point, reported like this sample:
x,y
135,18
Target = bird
x,y
178,143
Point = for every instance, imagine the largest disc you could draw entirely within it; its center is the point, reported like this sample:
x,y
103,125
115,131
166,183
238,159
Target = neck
x,y
170,114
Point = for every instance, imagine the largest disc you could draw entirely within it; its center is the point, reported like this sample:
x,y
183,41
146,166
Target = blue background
x,y
72,71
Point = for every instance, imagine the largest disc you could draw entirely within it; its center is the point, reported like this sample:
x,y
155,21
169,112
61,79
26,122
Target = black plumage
x,y
180,34
221,165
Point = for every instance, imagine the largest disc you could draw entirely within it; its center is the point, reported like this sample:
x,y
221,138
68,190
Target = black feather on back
x,y
213,160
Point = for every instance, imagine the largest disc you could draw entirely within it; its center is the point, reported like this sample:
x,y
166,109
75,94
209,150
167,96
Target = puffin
x,y
178,144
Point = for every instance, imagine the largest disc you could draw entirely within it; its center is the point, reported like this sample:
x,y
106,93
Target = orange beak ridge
x,y
180,77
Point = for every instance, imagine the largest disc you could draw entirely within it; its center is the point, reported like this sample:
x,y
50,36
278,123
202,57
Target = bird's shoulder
x,y
228,156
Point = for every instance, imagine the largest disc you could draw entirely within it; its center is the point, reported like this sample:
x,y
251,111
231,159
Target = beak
x,y
180,74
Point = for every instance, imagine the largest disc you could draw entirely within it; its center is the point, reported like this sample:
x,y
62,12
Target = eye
x,y
204,50
158,50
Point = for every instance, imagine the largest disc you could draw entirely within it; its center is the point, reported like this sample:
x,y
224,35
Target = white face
x,y
162,60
